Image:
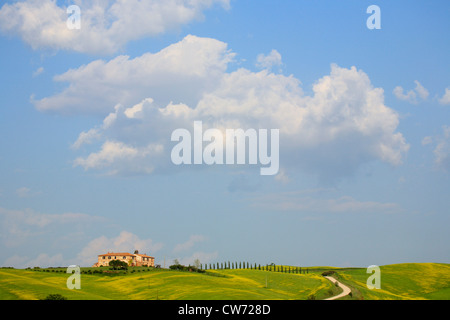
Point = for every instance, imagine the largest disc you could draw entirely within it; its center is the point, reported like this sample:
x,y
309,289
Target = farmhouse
x,y
133,260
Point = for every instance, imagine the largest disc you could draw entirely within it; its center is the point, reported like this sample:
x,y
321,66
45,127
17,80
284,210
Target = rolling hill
x,y
402,281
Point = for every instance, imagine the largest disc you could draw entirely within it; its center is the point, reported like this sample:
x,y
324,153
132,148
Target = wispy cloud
x,y
418,94
20,226
294,202
273,59
189,244
282,177
39,71
445,100
203,257
442,150
23,192
42,260
33,218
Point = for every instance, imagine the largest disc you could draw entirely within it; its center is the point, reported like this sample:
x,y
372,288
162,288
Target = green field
x,y
402,281
409,281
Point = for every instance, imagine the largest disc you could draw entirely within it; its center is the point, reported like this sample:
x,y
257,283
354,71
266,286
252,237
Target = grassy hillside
x,y
402,281
407,281
165,285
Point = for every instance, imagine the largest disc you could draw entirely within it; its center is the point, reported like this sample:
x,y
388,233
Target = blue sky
x,y
363,118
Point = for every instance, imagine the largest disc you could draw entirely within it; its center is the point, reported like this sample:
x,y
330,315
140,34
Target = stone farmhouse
x,y
133,260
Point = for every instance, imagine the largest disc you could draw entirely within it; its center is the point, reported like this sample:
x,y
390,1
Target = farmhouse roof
x,y
116,254
143,255
124,254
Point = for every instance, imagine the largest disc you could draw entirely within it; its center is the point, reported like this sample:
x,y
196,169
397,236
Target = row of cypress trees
x,y
246,265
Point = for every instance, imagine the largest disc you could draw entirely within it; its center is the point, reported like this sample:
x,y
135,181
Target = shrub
x,y
184,268
328,273
312,297
118,265
55,296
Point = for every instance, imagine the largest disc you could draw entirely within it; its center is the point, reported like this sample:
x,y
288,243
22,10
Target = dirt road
x,y
346,290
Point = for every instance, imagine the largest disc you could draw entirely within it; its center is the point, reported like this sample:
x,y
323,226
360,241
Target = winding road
x,y
346,290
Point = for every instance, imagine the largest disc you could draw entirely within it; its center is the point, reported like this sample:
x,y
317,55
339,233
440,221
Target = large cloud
x,y
180,72
106,25
342,125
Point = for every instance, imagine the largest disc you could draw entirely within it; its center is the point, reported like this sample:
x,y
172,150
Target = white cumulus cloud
x,y
106,25
342,125
179,73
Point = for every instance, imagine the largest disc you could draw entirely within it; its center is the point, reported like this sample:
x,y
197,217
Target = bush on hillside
x,y
180,267
55,296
